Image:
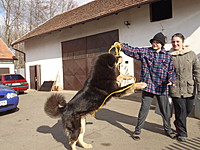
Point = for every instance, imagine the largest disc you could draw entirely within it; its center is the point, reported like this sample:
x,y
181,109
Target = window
x,y
13,77
161,10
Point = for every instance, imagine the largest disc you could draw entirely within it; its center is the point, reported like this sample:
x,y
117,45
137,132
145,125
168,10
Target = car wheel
x,y
14,110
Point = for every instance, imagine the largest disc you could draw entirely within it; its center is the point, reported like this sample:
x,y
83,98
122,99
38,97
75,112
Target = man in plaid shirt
x,y
158,72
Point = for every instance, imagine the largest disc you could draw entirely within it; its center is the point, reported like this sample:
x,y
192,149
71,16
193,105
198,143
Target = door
x,y
79,54
35,77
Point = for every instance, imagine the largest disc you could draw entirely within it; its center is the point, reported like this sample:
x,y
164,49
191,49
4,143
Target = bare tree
x,y
6,4
21,16
42,10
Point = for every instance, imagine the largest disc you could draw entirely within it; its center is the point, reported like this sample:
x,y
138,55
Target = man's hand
x,y
119,60
117,45
170,83
197,97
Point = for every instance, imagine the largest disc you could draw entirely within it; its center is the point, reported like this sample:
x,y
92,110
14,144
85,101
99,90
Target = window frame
x,y
161,7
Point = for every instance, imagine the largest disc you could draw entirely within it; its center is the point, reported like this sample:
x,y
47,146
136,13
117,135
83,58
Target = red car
x,y
15,81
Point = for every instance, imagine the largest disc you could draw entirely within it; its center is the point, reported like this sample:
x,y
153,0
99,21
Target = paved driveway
x,y
31,129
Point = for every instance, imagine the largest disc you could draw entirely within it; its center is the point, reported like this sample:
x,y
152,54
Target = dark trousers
x,y
182,107
165,111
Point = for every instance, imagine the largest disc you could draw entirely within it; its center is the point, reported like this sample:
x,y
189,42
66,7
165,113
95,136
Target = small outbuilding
x,y
6,59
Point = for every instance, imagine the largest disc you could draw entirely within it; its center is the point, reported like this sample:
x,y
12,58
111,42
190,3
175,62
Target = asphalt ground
x,y
30,128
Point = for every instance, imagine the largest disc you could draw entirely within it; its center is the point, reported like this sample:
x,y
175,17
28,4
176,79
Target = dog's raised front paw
x,y
143,85
140,85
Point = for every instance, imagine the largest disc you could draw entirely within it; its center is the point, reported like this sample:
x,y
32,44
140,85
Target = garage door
x,y
79,54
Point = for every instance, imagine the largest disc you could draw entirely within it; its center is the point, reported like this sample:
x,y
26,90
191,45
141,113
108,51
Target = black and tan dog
x,y
101,82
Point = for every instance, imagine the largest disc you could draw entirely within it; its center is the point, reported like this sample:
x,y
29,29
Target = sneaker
x,y
136,136
181,139
171,135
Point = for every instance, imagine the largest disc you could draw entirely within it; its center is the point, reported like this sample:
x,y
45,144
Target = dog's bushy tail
x,y
53,105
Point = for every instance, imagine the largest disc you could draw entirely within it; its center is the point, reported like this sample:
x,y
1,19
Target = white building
x,y
62,49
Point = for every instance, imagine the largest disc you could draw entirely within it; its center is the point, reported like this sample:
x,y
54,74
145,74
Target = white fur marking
x,y
80,138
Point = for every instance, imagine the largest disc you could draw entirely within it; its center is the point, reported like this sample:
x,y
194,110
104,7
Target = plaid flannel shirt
x,y
156,68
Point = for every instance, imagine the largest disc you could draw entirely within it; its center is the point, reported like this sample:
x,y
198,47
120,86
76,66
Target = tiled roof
x,y
93,10
5,52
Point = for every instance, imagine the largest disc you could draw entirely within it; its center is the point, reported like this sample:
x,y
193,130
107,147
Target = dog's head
x,y
104,68
108,60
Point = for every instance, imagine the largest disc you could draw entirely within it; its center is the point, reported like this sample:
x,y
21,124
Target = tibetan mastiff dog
x,y
101,82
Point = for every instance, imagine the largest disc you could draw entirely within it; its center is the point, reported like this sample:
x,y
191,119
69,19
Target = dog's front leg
x,y
80,138
125,91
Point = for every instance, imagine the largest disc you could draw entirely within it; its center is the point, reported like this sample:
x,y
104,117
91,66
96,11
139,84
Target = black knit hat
x,y
159,37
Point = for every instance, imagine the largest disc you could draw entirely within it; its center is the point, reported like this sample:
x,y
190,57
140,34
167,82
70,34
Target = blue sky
x,y
1,16
81,2
1,11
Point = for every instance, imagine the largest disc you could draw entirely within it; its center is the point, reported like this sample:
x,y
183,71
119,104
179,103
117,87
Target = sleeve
x,y
133,52
171,72
196,72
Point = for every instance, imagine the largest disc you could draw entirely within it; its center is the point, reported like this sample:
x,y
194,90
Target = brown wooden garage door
x,y
79,54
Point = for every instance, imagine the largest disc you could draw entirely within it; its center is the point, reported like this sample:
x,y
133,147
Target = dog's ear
x,y
111,60
107,60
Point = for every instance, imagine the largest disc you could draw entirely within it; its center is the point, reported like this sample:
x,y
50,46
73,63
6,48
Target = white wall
x,y
46,50
47,54
186,20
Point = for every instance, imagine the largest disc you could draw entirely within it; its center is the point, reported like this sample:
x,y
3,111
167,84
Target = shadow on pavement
x,y
190,144
115,118
136,97
57,133
133,97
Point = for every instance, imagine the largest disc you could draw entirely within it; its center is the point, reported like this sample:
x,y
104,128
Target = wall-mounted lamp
x,y
127,23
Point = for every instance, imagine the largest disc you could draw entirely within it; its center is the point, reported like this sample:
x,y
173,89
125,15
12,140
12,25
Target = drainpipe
x,y
24,59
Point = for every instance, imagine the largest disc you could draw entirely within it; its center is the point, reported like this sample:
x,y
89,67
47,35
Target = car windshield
x,y
13,77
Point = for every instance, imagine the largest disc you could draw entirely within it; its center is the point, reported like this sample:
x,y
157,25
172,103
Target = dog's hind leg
x,y
73,126
80,138
73,139
73,144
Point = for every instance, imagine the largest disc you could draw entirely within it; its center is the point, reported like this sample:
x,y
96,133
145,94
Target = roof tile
x,y
5,52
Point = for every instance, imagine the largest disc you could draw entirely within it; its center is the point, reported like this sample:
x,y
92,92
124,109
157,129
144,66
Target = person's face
x,y
156,45
177,43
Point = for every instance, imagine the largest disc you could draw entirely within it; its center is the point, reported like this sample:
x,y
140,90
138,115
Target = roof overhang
x,y
67,19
